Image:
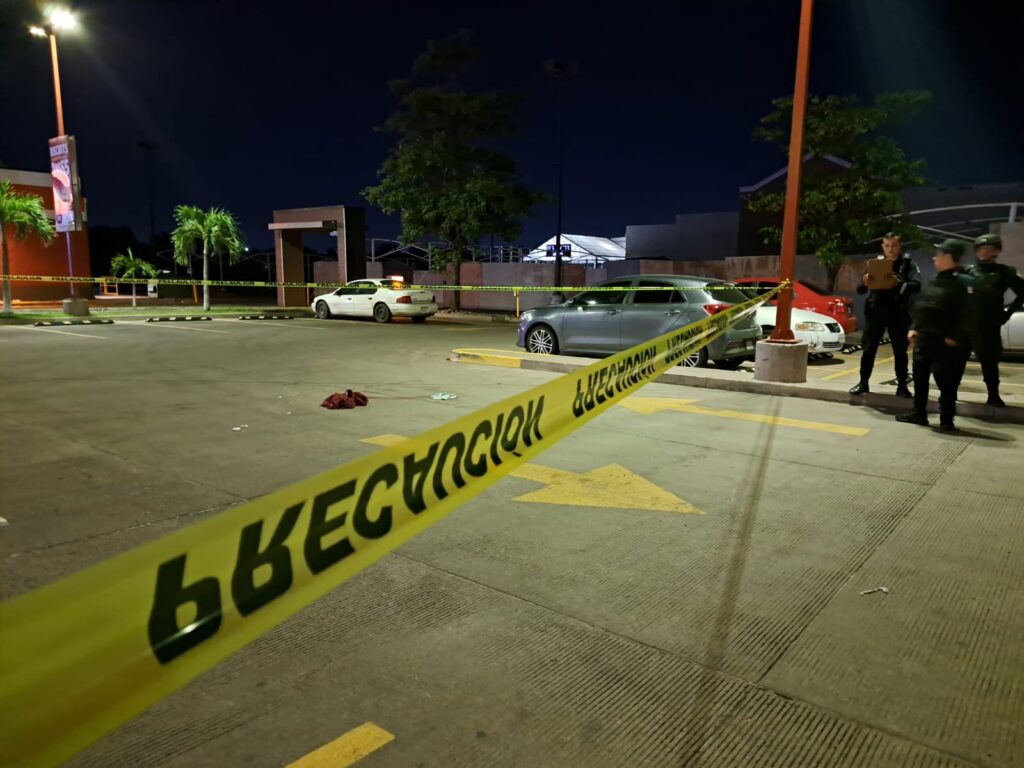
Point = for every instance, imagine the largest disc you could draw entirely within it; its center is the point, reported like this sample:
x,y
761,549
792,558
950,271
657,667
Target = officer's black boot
x,y
990,372
861,389
946,424
914,417
902,390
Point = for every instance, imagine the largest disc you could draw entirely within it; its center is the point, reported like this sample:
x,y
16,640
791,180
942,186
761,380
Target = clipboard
x,y
881,275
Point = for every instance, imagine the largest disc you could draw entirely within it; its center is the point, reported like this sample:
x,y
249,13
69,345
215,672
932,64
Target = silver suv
x,y
605,322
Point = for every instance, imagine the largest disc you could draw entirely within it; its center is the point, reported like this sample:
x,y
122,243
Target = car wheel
x,y
323,311
419,319
381,313
698,359
730,363
541,340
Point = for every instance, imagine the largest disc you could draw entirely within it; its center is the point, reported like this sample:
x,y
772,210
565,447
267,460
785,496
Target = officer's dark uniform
x,y
889,310
990,283
940,312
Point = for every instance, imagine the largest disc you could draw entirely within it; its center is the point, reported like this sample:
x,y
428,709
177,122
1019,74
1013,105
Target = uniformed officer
x,y
990,283
888,309
940,333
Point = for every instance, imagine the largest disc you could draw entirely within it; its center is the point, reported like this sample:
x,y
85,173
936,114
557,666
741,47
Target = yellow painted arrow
x,y
611,486
648,405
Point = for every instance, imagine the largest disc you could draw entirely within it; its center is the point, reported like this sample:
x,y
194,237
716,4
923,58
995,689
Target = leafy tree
x,y
129,265
841,210
25,215
216,230
443,175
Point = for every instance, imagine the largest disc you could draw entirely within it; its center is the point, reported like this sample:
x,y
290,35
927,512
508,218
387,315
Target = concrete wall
x,y
1013,244
31,257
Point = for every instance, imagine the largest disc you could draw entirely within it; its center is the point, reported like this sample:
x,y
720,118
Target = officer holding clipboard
x,y
890,281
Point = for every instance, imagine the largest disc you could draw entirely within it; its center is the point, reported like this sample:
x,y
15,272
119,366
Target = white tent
x,y
586,250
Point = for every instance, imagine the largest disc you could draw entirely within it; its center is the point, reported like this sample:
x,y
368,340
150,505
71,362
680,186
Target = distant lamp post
x,y
149,148
560,71
56,20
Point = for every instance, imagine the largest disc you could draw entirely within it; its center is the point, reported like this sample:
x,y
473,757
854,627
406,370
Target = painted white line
x,y
65,333
171,324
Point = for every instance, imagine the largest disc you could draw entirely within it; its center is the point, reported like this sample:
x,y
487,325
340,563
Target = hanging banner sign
x,y
64,175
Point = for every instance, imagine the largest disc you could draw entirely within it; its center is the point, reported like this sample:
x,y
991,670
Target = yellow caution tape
x,y
85,654
403,286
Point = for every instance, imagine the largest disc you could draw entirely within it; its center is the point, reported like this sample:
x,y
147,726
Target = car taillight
x,y
714,309
404,300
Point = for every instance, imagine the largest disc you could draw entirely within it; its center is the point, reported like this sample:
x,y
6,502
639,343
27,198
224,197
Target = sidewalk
x,y
828,380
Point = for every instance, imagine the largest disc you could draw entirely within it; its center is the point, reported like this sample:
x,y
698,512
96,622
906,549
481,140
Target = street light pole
x,y
56,82
60,132
560,71
790,220
59,18
149,147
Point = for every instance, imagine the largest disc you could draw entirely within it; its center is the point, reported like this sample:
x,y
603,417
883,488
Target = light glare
x,y
37,31
62,18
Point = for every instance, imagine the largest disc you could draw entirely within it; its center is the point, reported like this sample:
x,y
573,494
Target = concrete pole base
x,y
76,307
780,362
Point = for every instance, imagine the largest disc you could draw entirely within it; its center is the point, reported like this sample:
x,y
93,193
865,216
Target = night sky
x,y
264,105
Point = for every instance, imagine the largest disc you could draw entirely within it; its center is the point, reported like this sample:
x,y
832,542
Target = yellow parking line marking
x,y
384,441
781,421
347,749
487,357
66,333
649,405
611,486
848,371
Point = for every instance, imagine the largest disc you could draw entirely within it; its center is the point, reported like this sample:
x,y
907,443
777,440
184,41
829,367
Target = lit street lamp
x,y
58,20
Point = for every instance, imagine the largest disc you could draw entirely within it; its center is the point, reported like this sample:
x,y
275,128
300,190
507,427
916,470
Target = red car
x,y
813,298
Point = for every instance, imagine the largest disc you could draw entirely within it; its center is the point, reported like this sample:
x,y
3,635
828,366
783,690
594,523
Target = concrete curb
x,y
1011,414
72,322
471,317
177,318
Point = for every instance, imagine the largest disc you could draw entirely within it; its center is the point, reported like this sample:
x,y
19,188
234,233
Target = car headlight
x,y
526,317
809,326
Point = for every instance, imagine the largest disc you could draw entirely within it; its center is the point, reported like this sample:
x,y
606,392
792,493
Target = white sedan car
x,y
821,332
379,299
1013,333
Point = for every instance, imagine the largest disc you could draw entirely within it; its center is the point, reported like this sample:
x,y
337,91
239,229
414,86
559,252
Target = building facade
x,y
31,257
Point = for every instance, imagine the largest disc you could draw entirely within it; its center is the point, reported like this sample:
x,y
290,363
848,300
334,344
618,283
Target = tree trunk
x,y
832,270
6,268
206,277
456,280
133,294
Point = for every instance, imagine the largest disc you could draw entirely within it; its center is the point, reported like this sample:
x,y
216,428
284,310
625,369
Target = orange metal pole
x,y
790,222
56,85
73,289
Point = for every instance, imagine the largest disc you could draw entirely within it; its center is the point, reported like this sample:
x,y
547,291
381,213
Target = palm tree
x,y
218,232
26,215
130,265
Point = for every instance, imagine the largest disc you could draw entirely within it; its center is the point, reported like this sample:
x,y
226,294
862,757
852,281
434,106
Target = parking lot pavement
x,y
828,379
726,614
